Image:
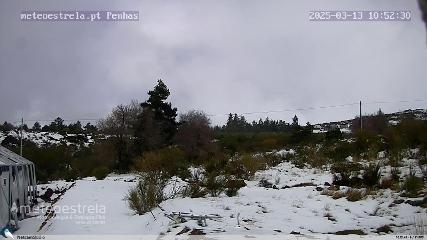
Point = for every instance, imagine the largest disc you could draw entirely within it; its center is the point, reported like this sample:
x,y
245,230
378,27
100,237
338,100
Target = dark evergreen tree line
x,y
236,123
56,126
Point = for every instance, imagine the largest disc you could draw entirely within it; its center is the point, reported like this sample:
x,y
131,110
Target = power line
x,y
289,110
250,113
321,107
65,120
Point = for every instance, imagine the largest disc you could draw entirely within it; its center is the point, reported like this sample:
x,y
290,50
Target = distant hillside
x,y
46,138
50,138
393,119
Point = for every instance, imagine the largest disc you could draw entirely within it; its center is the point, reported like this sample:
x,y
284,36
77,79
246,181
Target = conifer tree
x,y
157,120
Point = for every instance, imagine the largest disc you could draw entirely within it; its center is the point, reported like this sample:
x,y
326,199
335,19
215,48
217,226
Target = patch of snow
x,y
255,210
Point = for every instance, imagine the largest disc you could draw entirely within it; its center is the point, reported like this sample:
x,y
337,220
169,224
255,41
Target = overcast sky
x,y
217,56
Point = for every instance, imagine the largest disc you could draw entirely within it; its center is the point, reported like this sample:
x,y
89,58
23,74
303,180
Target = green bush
x,y
395,158
412,185
53,162
387,183
233,186
409,133
395,173
341,151
333,135
215,184
366,142
343,174
100,172
147,194
371,175
252,142
247,164
194,190
423,157
311,155
170,160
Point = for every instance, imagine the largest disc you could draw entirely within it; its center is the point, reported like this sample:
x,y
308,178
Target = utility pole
x,y
360,115
22,126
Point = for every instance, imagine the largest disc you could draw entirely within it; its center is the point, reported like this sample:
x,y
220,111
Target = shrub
x,y
214,184
387,183
100,172
371,175
216,163
338,195
244,166
270,159
233,186
341,151
147,194
311,155
71,175
333,135
194,190
395,158
354,195
343,173
98,160
412,184
419,225
170,160
335,194
269,143
395,173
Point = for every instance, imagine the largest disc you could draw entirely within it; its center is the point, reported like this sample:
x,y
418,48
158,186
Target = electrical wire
x,y
249,113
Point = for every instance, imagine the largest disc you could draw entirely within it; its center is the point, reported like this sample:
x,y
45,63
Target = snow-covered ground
x,y
101,209
46,138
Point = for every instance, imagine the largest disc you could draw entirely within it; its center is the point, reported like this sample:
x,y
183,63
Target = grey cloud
x,y
218,56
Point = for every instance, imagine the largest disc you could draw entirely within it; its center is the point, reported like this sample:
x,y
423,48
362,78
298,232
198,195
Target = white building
x,y
17,186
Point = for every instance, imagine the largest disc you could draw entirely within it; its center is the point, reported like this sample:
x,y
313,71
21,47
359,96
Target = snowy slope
x,y
47,138
258,210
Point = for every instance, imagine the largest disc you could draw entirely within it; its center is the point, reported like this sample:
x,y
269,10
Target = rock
x,y
284,187
398,201
319,189
265,183
348,232
327,184
384,229
184,230
275,187
295,233
47,195
196,231
416,203
304,184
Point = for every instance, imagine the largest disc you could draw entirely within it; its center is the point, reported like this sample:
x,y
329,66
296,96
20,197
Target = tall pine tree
x,y
157,124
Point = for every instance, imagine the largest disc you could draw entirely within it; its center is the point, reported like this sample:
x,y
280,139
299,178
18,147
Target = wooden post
x,y
360,115
22,126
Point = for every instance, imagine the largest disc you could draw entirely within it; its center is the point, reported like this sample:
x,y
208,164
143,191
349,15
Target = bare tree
x,y
423,8
194,134
120,124
148,135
